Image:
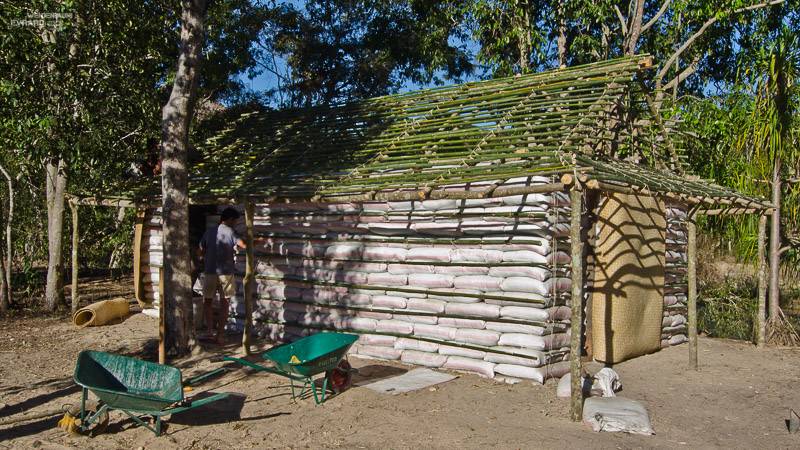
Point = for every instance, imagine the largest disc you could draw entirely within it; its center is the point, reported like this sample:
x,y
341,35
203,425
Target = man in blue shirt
x,y
218,246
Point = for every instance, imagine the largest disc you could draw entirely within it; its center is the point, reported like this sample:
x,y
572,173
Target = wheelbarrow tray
x,y
128,383
316,354
134,387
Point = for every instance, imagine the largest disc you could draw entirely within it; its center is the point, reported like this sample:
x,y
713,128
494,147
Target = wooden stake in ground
x,y
762,282
248,279
576,405
692,260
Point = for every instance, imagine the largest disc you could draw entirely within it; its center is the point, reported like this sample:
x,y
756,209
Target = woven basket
x,y
101,312
628,299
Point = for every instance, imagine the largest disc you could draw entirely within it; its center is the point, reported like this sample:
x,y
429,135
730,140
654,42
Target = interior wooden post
x,y
162,351
762,282
75,298
576,405
692,260
248,279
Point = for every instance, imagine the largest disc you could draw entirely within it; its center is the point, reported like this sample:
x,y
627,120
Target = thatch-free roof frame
x,y
582,121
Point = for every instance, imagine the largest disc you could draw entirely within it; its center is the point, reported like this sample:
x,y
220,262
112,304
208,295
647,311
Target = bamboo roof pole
x,y
248,278
692,276
576,320
762,282
75,299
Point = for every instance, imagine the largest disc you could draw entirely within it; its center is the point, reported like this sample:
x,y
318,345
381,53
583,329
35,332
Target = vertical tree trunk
x,y
562,34
634,28
775,242
177,295
9,241
55,187
761,341
4,288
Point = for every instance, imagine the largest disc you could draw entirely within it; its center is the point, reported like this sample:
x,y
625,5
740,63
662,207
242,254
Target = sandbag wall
x,y
674,327
151,258
474,285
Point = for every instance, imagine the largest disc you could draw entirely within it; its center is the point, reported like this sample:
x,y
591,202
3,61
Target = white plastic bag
x,y
616,414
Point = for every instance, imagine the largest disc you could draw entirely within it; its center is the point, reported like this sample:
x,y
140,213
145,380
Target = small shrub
x,y
729,310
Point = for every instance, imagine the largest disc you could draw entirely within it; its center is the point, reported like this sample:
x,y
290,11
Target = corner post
x,y
576,320
248,278
762,282
692,261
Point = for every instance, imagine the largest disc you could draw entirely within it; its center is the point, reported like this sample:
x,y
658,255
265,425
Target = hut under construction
x,y
455,227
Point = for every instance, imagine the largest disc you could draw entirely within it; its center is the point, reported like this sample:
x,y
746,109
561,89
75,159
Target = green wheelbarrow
x,y
310,356
132,386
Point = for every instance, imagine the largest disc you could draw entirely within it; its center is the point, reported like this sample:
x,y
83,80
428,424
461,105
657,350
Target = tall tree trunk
x,y
9,242
775,241
634,28
55,187
562,34
4,288
177,296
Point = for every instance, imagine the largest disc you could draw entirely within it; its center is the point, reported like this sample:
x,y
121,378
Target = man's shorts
x,y
226,284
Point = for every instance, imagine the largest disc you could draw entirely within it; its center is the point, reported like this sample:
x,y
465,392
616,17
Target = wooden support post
x,y
762,282
576,406
249,276
162,351
75,298
692,260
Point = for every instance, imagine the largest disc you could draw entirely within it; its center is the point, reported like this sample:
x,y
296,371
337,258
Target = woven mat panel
x,y
628,296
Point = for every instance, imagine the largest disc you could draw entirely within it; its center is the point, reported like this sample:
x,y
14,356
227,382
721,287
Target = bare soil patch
x,y
740,398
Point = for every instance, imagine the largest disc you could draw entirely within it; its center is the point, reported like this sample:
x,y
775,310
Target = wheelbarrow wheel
x,y
95,428
339,377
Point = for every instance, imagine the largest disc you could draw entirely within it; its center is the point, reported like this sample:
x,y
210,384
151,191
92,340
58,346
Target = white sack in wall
x,y
435,332
424,304
518,312
538,374
466,309
387,301
428,254
486,338
482,368
413,344
423,358
394,327
462,323
461,351
415,319
389,353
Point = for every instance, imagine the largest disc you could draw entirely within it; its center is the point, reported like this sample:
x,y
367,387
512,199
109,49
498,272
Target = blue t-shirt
x,y
219,243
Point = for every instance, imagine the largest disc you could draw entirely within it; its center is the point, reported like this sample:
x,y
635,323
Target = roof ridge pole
x,y
249,277
691,257
762,282
576,319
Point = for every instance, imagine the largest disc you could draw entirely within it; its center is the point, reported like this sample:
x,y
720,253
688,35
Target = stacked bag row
x,y
674,325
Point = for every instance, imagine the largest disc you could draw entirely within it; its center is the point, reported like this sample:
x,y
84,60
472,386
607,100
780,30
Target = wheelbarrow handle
x,y
266,369
196,403
204,376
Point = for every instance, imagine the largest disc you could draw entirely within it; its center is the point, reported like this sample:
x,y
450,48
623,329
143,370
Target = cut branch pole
x,y
692,275
576,405
162,350
74,288
248,279
762,282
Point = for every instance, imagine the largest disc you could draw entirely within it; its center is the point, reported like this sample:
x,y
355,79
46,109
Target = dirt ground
x,y
740,398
